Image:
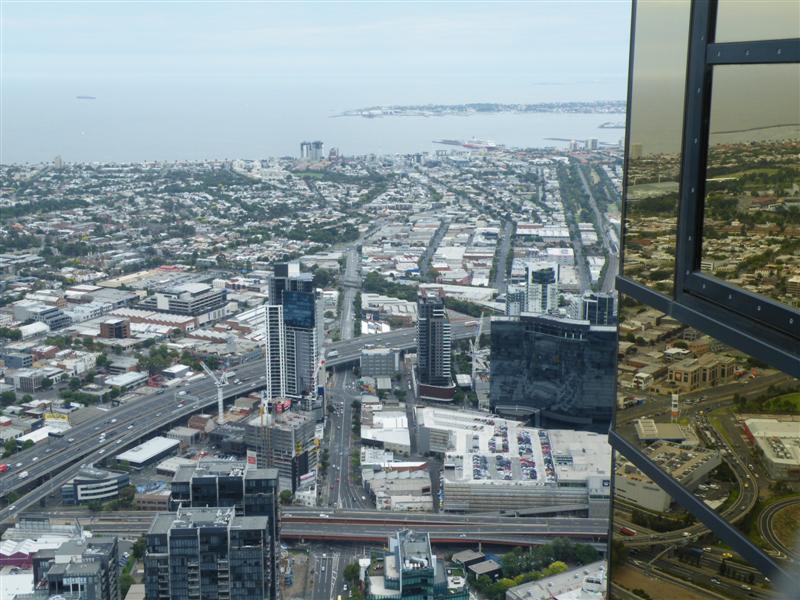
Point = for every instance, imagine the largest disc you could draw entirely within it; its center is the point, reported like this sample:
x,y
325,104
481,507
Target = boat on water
x,y
477,144
611,125
472,144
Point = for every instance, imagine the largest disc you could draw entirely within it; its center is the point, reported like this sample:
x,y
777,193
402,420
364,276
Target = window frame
x,y
755,324
749,322
690,282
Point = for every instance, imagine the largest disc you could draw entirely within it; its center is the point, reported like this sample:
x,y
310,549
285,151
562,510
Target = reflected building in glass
x,y
706,430
556,372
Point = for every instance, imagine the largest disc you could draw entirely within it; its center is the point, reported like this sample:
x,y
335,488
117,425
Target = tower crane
x,y
219,382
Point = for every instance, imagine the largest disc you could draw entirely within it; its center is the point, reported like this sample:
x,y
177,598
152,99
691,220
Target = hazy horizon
x,y
240,79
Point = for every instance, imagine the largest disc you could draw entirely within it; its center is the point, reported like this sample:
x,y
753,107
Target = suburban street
x,y
608,231
500,282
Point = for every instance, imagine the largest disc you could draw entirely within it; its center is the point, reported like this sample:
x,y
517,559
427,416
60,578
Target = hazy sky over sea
x,y
179,66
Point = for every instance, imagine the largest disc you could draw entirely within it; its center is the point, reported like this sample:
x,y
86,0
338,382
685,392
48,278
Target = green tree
x,y
10,447
352,573
27,398
286,497
125,583
47,383
74,383
10,334
139,547
7,398
323,278
27,444
619,553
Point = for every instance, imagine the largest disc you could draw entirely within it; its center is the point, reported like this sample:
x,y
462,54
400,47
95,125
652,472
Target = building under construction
x,y
285,442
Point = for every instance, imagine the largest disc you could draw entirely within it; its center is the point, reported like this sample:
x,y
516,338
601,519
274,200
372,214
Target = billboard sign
x,y
56,417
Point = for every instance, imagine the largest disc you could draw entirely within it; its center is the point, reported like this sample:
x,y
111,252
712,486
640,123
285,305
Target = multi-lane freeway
x,y
127,425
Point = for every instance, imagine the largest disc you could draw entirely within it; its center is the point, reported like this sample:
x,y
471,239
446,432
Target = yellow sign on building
x,y
56,417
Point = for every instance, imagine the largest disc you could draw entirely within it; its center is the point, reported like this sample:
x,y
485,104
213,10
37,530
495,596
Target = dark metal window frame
x,y
690,283
751,323
758,325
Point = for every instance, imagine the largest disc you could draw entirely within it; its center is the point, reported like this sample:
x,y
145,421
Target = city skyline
x,y
361,300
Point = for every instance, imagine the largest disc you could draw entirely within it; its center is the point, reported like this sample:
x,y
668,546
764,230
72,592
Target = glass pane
x,y
656,123
751,230
739,21
667,565
722,423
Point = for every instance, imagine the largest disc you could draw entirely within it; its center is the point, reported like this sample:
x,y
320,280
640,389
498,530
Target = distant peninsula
x,y
477,108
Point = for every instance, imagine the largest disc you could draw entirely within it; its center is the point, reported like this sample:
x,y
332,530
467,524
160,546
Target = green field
x,y
786,401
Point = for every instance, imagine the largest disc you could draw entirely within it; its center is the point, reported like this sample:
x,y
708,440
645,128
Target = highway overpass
x,y
375,526
56,460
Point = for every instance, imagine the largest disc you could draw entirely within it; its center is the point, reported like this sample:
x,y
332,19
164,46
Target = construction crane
x,y
474,344
219,382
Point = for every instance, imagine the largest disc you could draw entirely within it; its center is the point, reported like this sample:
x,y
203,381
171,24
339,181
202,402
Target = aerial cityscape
x,y
301,343
411,357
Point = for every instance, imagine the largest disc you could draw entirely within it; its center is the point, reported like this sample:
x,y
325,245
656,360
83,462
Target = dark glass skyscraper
x,y
224,484
557,372
598,309
433,345
295,292
208,553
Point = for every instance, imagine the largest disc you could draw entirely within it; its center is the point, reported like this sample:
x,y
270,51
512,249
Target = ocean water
x,y
185,120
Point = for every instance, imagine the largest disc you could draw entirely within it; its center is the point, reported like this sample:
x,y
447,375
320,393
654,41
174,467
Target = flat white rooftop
x,y
149,450
488,449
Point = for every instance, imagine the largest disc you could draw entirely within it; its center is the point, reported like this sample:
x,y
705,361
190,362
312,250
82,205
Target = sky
x,y
548,43
173,63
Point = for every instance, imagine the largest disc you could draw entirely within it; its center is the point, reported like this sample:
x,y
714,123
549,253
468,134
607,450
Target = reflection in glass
x,y
668,556
739,21
554,371
656,122
724,425
751,230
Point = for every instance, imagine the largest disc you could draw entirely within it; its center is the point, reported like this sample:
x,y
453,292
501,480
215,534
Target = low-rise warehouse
x,y
93,485
778,441
151,451
688,466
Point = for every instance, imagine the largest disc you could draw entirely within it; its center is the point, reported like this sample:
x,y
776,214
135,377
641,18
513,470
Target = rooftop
x,y
148,450
485,449
676,460
191,518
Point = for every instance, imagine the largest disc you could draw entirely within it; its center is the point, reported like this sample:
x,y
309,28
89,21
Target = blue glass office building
x,y
557,372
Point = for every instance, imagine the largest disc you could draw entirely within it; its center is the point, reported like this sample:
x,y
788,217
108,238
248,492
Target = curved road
x,y
766,528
